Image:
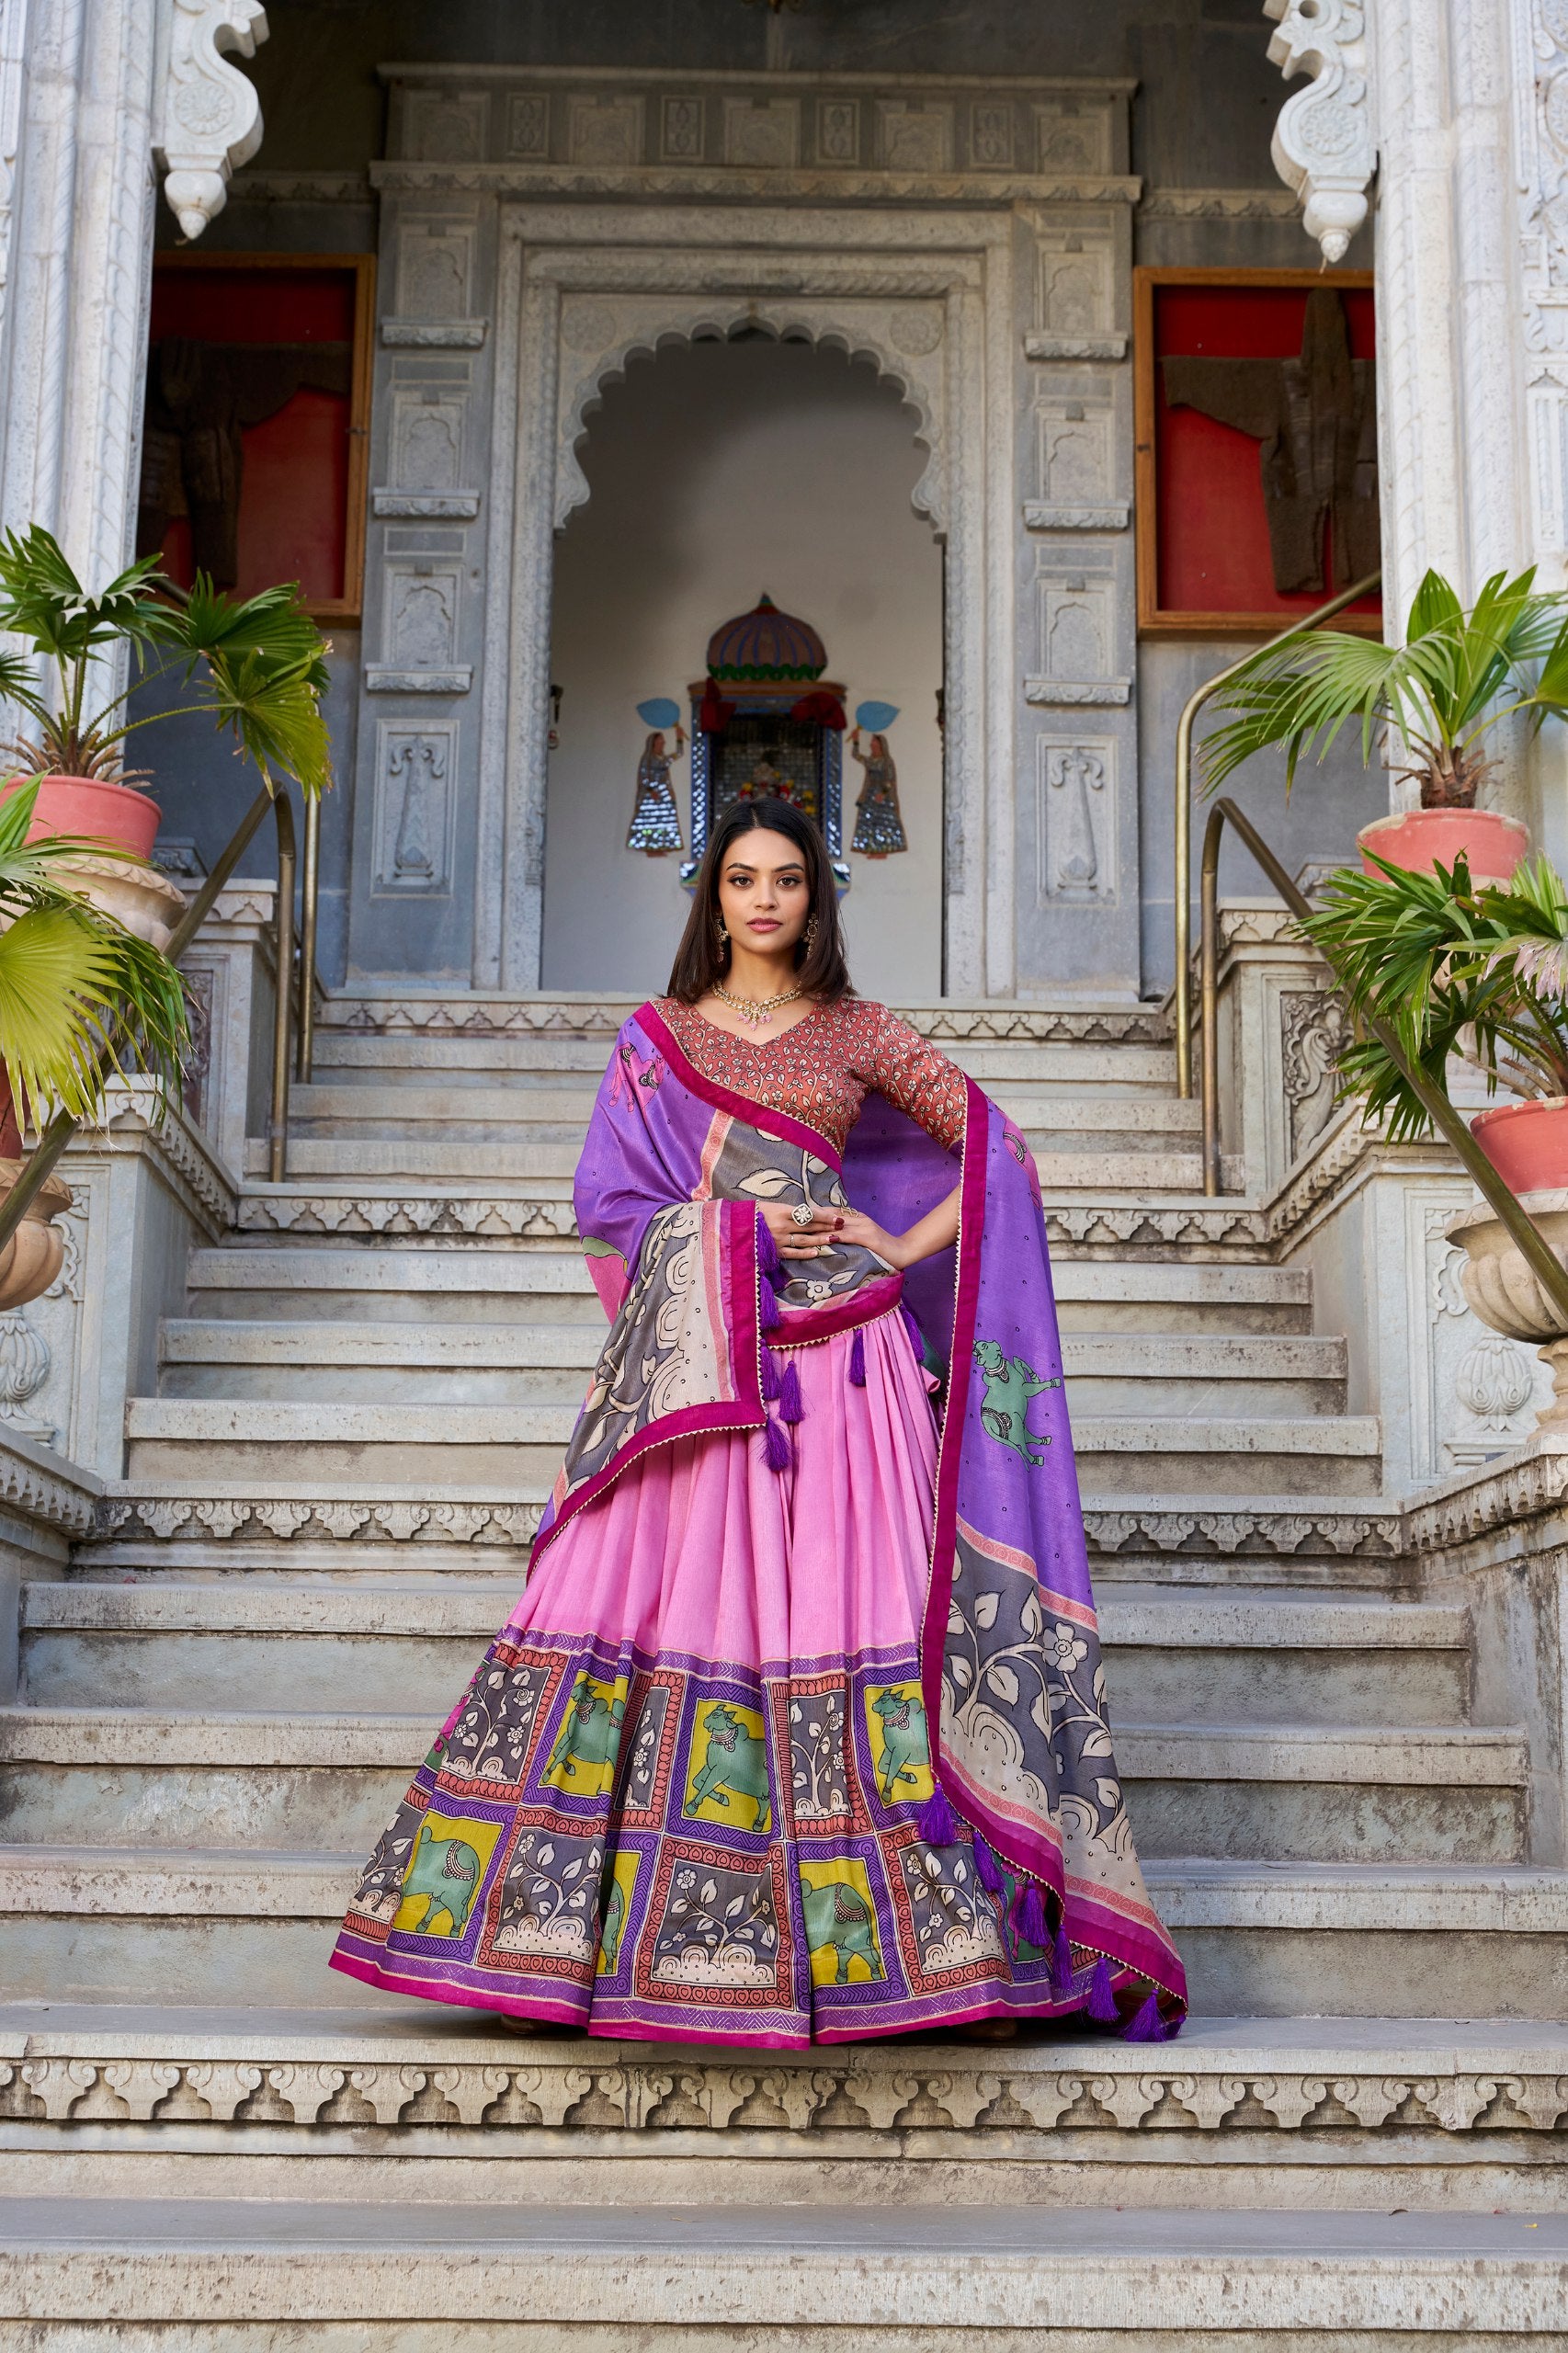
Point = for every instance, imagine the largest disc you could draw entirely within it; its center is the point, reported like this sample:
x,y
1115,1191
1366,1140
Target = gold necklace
x,y
751,1009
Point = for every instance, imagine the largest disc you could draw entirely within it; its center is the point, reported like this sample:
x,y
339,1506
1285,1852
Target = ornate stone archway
x,y
593,297
538,227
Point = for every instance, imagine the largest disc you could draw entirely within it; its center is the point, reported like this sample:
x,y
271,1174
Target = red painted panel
x,y
293,508
1213,533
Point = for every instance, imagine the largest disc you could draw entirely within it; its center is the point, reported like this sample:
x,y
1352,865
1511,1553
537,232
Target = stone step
x,y
1075,1060
1256,1660
521,1364
1361,2112
369,1103
178,1436
440,1525
116,2268
1119,1175
1307,1792
467,1283
1292,1941
472,1281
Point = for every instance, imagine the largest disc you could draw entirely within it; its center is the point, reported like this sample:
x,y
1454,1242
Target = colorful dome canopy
x,y
766,644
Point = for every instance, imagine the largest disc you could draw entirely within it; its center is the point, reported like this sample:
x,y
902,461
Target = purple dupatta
x,y
667,1197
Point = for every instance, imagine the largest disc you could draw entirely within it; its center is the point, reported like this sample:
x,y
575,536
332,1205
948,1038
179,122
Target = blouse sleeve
x,y
918,1079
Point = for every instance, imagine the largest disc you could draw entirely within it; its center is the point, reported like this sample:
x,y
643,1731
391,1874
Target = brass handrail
x,y
1185,724
277,1117
310,892
45,1155
1450,1124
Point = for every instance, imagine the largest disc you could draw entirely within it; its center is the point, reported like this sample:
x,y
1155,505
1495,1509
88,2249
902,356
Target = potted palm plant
x,y
1462,973
82,1000
258,669
1456,677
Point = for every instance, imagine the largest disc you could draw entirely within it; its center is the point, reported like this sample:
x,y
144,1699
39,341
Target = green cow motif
x,y
591,1735
839,1920
447,1871
907,1748
737,1764
613,1923
1010,1383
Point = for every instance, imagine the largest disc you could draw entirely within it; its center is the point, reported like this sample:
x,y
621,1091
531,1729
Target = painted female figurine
x,y
797,1732
656,821
878,824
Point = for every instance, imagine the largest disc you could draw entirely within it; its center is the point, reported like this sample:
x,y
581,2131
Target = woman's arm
x,y
935,1231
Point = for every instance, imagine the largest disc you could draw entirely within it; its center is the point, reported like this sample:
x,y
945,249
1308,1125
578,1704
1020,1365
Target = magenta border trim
x,y
539,2005
746,1412
1130,1948
778,1124
798,1326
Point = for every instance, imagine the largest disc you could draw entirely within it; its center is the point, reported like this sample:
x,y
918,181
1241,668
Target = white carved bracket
x,y
211,117
1323,145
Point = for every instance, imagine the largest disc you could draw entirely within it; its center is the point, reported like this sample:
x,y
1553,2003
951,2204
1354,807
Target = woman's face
x,y
764,896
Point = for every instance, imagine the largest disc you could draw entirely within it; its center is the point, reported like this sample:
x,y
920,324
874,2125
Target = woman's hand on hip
x,y
802,1241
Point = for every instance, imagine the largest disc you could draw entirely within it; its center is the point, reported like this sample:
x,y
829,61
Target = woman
x,y
797,1732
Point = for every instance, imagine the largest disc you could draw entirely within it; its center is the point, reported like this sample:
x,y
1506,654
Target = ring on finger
x,y
803,1213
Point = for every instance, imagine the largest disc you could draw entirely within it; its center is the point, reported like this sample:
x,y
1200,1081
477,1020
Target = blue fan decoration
x,y
661,712
877,717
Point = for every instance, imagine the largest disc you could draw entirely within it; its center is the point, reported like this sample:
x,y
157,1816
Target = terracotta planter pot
x,y
36,1252
1418,839
91,811
1527,1143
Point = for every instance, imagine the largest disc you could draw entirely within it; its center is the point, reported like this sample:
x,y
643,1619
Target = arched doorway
x,y
718,470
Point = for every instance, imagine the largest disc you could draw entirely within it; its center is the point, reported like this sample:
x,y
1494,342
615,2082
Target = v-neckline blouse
x,y
821,1069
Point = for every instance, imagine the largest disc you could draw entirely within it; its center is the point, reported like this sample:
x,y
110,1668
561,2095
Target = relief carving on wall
x,y
604,132
1077,630
528,126
838,130
762,132
1313,1030
1075,816
912,139
1071,138
414,808
1486,1389
445,126
427,438
434,260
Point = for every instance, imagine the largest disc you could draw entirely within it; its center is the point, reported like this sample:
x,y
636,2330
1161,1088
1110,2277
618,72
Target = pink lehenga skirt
x,y
681,1796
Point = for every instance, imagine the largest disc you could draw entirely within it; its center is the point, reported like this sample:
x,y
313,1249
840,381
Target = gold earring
x,y
722,936
811,933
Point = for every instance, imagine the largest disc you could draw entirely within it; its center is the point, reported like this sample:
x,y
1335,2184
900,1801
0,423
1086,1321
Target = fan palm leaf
x,y
1451,971
1457,674
81,999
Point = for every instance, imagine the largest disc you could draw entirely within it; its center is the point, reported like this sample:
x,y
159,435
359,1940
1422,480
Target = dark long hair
x,y
820,969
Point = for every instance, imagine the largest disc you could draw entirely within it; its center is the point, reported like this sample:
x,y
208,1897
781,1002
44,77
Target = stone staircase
x,y
325,1514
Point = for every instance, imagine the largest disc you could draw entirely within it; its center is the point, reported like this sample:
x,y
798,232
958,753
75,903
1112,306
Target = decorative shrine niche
x,y
765,721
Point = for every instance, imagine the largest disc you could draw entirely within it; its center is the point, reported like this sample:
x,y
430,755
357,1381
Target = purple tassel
x,y
776,1446
913,1328
767,1313
935,1821
1062,1961
858,1357
1102,2001
1029,1918
790,1408
986,1869
769,1377
1147,2027
766,1248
